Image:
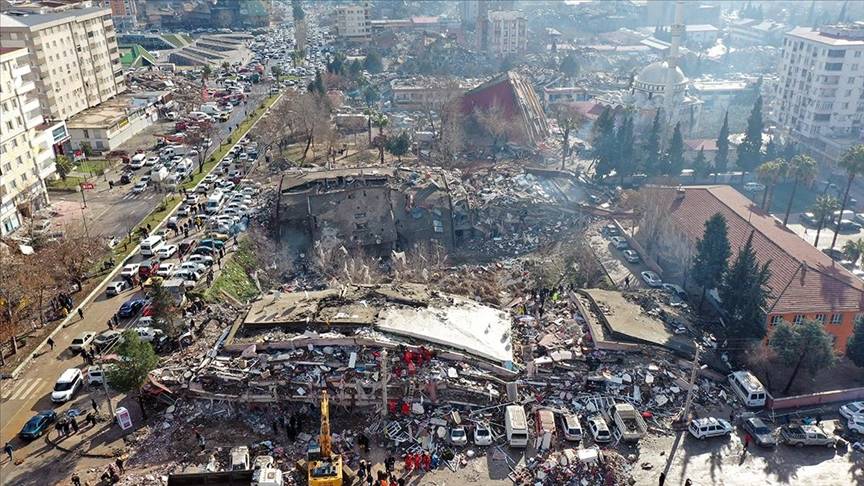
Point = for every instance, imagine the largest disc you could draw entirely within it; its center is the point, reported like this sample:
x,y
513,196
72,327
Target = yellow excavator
x,y
324,468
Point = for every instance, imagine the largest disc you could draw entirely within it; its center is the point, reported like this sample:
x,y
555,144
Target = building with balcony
x,y
26,155
73,54
353,23
819,95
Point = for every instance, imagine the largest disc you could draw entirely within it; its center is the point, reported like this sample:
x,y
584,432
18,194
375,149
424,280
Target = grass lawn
x,y
233,279
71,183
92,167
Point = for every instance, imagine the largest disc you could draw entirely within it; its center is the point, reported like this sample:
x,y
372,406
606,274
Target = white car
x,y
619,242
457,436
482,434
67,385
856,424
651,278
130,270
82,340
139,187
852,409
754,187
202,260
707,427
192,266
148,334
631,256
166,251
165,269
187,274
150,161
115,288
599,429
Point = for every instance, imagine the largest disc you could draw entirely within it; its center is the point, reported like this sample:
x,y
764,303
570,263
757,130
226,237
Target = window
x,y
836,319
836,53
799,318
821,117
360,226
820,318
833,66
775,320
359,215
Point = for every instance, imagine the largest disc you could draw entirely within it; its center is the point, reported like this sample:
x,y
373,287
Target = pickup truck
x,y
806,435
628,424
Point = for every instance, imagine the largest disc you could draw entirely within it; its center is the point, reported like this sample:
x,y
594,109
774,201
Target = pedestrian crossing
x,y
21,390
140,195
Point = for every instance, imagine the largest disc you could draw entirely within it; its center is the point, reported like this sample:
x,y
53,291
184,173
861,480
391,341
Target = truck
x,y
806,435
545,428
627,423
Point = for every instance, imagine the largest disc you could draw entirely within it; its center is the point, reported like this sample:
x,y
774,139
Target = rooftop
x,y
803,279
110,112
49,19
814,35
7,50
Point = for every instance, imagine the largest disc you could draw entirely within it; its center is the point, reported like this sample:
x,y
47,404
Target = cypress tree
x,y
749,152
744,294
721,158
676,152
652,148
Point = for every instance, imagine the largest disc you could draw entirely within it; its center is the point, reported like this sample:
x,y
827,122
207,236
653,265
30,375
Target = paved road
x,y
31,392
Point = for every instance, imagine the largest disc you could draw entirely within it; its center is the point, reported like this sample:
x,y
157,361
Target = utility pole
x,y
384,379
105,387
685,413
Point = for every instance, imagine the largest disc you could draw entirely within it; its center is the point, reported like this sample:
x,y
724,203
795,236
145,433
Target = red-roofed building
x,y
805,283
515,98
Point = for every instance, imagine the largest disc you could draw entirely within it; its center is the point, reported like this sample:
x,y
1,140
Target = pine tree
x,y
772,150
625,162
721,158
750,150
373,62
676,152
712,255
399,145
744,293
604,143
652,148
843,15
855,345
701,169
137,361
805,346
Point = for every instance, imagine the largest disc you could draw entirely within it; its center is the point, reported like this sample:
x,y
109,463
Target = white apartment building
x,y
73,54
26,155
353,23
508,33
819,96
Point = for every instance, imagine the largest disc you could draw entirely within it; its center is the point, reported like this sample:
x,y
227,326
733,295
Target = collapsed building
x,y
515,98
384,208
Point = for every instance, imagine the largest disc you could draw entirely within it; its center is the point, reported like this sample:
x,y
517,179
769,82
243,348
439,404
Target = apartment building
x,y
819,96
124,13
353,23
508,33
26,157
73,55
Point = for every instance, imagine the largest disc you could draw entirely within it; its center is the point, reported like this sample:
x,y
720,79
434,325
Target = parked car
x,y
571,427
631,256
130,270
82,340
131,307
852,409
761,433
217,244
754,187
704,428
806,435
809,219
846,226
37,425
651,278
482,434
619,242
856,424
148,334
139,187
107,338
67,385
166,251
675,290
457,436
165,269
115,288
599,429
202,260
834,254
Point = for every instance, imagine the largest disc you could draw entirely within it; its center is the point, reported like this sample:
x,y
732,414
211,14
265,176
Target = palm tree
x,y
769,174
823,211
801,168
853,163
854,249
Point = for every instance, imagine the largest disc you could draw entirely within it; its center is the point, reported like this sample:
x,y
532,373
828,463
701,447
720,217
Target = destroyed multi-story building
x,y
518,103
379,207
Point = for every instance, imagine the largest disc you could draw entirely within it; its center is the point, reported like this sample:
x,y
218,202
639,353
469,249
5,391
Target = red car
x,y
147,311
147,268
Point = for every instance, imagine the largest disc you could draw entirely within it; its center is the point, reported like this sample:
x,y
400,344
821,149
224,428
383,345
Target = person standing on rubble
x,y
200,439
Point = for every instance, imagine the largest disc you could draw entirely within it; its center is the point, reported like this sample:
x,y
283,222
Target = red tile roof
x,y
803,279
709,144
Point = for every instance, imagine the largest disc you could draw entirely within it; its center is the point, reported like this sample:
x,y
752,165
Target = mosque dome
x,y
654,76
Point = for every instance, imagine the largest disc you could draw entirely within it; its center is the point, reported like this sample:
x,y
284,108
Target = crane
x,y
324,468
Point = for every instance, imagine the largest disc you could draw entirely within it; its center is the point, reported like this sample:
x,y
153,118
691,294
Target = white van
x,y
516,426
151,245
214,202
748,388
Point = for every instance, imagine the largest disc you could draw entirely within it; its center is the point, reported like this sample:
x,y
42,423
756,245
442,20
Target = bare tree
x,y
569,119
341,266
495,124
